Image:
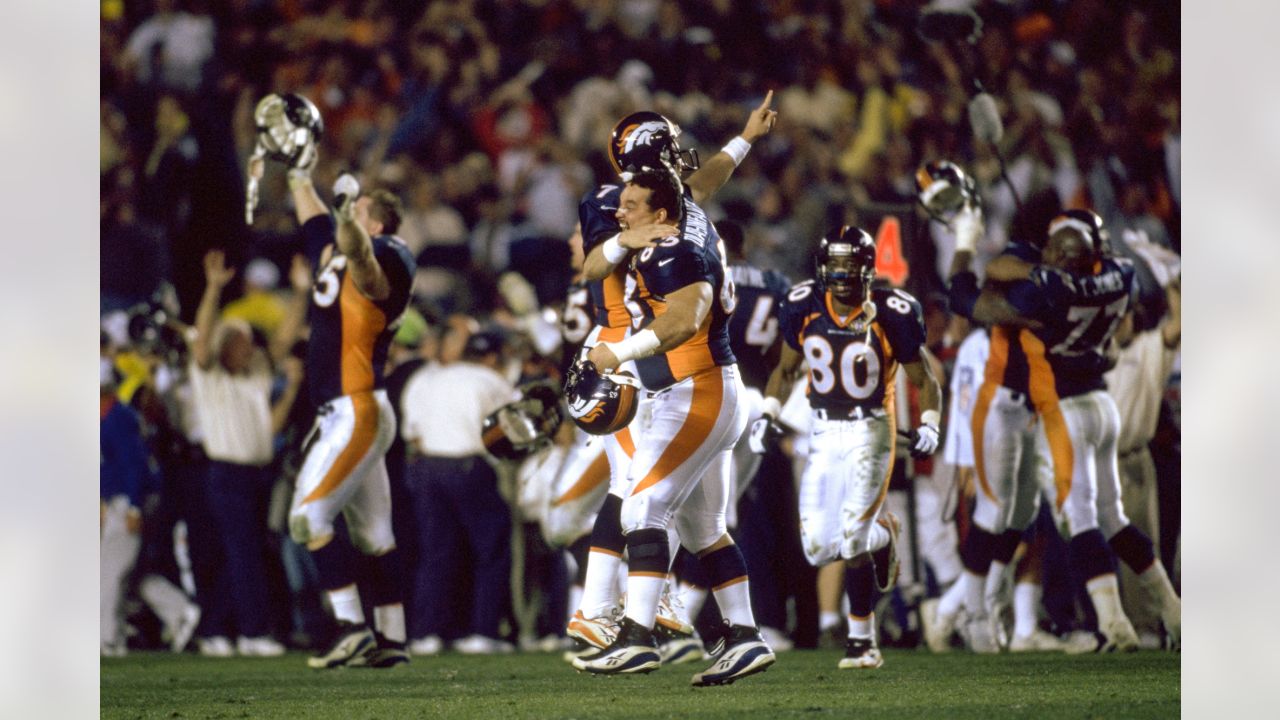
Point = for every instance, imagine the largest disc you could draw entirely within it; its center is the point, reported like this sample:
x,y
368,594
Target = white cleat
x,y
1037,641
861,654
634,651
937,627
262,646
186,627
745,653
598,632
429,645
1119,636
981,635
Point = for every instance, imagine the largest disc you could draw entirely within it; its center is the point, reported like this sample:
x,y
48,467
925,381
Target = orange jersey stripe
x,y
993,375
704,411
694,355
614,286
596,473
362,322
1044,396
362,434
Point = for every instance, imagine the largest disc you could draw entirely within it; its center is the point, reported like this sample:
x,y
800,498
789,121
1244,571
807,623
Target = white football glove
x,y
345,191
924,440
764,433
968,227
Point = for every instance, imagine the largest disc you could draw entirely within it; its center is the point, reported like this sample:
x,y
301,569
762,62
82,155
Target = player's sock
x,y
693,585
386,595
575,599
828,619
1155,582
1026,602
337,582
860,587
692,598
389,620
727,574
1134,548
953,599
346,604
976,555
1094,562
600,585
1104,591
649,559
579,551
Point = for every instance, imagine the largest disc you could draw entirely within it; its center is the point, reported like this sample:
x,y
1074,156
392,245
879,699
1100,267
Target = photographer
x,y
231,380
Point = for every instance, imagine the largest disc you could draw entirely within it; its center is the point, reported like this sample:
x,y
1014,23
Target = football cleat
x,y
713,642
861,654
1037,641
580,649
185,628
937,627
263,646
1119,636
1172,619
599,632
350,642
745,653
981,635
677,650
634,650
383,654
887,576
429,645
669,615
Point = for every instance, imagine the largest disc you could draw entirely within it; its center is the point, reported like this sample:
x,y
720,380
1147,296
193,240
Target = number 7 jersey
x,y
852,362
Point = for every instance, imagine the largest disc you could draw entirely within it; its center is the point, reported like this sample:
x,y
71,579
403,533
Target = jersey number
x,y
859,367
328,284
575,323
1092,326
762,329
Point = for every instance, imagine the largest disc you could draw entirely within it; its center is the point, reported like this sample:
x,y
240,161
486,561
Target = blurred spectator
x,y
464,524
171,48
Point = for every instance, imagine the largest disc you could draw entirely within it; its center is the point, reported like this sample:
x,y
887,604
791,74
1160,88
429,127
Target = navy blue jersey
x,y
1080,314
853,362
694,255
753,328
349,332
598,215
1014,350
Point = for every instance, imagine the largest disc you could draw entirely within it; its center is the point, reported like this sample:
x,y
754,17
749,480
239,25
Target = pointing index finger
x,y
768,98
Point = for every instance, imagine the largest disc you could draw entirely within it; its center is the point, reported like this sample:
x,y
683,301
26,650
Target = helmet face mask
x,y
646,140
846,264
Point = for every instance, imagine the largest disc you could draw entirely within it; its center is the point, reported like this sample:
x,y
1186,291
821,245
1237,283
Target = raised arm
x,y
712,176
355,244
216,277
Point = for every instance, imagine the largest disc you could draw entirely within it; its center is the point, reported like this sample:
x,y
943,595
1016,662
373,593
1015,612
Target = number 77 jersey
x,y
853,359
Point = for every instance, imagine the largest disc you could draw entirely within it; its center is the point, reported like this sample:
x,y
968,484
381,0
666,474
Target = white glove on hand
x,y
968,227
764,433
924,440
345,191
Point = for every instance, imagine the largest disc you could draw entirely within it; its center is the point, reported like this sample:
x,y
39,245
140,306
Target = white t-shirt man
x,y
966,378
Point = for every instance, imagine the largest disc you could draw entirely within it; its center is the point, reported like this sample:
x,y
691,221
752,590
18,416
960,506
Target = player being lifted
x,y
1078,297
853,338
639,142
362,289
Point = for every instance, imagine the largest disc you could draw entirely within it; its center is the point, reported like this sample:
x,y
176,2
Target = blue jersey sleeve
x,y
902,318
795,308
597,214
317,232
672,266
397,262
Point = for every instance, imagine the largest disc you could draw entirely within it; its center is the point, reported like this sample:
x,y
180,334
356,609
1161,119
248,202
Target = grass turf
x,y
800,684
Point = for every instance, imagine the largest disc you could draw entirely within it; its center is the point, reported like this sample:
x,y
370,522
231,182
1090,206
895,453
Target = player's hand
x,y
764,433
968,227
638,238
300,274
216,272
924,440
603,358
761,120
257,166
345,191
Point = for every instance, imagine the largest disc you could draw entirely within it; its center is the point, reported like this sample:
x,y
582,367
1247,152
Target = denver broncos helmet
x,y
289,126
600,403
646,140
1085,222
845,263
517,430
943,187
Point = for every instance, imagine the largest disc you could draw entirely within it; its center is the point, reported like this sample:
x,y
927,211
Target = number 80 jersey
x,y
852,362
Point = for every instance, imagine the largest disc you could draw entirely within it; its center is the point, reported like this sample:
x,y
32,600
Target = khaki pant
x,y
1141,505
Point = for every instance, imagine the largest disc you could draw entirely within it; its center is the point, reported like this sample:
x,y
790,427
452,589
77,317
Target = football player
x,y
639,142
681,298
363,286
1080,294
853,338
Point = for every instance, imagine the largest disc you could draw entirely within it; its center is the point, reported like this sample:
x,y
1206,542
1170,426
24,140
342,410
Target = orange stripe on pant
x,y
625,442
364,430
890,415
596,473
992,377
1044,396
704,411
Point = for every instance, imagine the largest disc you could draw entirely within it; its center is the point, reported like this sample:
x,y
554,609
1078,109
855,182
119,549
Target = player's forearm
x,y
354,243
708,179
1007,268
596,266
992,308
206,315
306,201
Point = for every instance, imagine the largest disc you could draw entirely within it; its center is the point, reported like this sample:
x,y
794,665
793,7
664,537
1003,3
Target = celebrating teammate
x,y
362,289
853,338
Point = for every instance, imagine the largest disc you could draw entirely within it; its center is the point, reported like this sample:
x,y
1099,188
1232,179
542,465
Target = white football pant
x,y
1093,499
1010,458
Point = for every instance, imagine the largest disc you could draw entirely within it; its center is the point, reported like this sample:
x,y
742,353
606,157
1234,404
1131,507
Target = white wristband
x,y
737,149
613,250
641,345
931,417
772,407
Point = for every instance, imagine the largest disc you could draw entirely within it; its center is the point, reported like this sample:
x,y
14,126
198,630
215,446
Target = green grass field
x,y
800,684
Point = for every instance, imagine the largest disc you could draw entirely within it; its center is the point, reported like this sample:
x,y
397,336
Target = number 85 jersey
x,y
853,359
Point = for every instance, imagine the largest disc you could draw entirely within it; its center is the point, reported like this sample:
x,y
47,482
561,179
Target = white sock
x,y
575,600
1155,582
346,604
1026,601
643,593
600,590
1104,591
828,620
973,587
861,627
953,599
693,598
991,585
389,619
734,599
